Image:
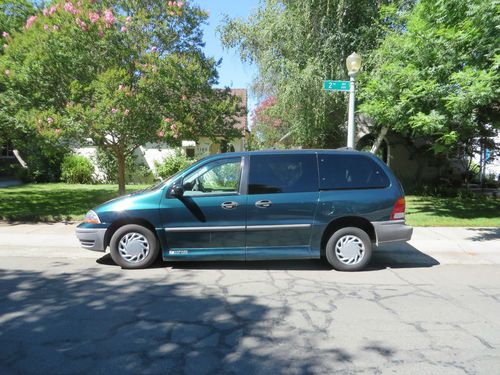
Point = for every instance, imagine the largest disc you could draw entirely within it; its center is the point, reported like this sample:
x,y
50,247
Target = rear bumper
x,y
392,231
91,238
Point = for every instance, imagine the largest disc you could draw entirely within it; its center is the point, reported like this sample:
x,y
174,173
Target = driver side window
x,y
217,177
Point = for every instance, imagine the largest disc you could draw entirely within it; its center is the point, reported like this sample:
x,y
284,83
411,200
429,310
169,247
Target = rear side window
x,y
350,172
282,174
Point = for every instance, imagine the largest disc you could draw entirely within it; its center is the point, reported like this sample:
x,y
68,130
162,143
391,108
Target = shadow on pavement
x,y
401,255
485,234
88,321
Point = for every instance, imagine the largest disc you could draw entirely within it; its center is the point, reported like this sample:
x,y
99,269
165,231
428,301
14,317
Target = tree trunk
x,y
120,158
379,140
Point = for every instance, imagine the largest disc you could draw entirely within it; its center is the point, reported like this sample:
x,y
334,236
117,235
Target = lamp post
x,y
353,63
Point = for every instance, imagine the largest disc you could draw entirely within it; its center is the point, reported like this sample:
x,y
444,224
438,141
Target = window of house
x,y
350,172
217,177
283,174
6,150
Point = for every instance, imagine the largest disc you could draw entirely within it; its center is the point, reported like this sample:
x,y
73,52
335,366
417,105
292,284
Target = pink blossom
x,y
128,19
126,112
93,17
79,3
172,13
123,29
55,27
160,133
114,110
5,34
45,12
68,7
180,4
52,10
50,120
173,127
170,3
30,21
167,119
45,27
183,97
109,18
100,32
7,72
154,49
82,24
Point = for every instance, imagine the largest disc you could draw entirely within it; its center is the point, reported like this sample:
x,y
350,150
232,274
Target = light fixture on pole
x,y
353,63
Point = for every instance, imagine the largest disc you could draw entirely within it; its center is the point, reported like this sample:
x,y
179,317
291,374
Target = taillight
x,y
398,212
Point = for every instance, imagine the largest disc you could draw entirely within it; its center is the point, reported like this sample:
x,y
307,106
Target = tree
x,y
298,44
117,73
435,75
13,15
267,127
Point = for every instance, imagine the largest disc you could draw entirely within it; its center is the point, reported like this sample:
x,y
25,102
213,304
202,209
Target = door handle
x,y
229,205
263,203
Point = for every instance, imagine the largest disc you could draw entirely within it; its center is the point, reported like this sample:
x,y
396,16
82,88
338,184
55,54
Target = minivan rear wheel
x,y
349,249
134,246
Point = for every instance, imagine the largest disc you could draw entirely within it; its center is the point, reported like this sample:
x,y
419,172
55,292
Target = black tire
x,y
138,237
358,237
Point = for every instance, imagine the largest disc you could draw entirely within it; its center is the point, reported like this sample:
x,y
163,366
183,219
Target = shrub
x,y
139,175
135,171
172,164
42,156
76,169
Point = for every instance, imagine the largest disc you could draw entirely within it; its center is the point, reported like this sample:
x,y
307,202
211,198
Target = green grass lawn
x,y
56,202
428,211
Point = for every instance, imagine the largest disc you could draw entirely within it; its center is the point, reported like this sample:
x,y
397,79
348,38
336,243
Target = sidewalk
x,y
430,245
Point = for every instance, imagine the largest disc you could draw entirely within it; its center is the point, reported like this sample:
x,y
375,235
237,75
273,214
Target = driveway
x,y
66,310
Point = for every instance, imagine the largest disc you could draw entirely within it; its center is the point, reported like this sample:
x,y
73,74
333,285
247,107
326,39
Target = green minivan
x,y
280,204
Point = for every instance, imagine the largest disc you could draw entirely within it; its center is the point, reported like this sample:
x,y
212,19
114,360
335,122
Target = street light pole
x,y
350,116
353,63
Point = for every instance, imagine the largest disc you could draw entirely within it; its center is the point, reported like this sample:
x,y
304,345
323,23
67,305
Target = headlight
x,y
91,217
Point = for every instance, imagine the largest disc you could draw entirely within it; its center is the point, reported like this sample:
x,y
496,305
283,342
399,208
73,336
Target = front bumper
x,y
91,238
392,231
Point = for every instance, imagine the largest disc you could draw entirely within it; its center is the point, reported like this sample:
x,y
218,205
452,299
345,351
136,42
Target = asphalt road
x,y
412,312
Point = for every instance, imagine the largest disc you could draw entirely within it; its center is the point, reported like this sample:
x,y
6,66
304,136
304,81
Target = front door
x,y
283,194
208,221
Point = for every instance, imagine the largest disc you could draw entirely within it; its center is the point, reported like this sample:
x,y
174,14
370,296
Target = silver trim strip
x,y
278,226
206,229
231,228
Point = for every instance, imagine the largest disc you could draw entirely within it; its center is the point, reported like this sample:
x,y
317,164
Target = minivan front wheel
x,y
349,249
134,246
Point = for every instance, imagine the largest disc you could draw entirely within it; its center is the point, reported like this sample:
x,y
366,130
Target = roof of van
x,y
294,151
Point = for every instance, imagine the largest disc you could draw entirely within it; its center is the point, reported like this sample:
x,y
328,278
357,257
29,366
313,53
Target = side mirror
x,y
177,191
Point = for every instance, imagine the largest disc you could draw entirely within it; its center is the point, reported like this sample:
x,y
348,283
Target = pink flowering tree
x,y
115,74
268,127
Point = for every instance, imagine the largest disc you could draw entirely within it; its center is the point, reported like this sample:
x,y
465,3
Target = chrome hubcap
x,y
350,249
133,247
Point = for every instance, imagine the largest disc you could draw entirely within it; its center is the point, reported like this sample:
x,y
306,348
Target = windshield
x,y
170,179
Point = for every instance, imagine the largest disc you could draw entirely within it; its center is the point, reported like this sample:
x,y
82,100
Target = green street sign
x,y
337,85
